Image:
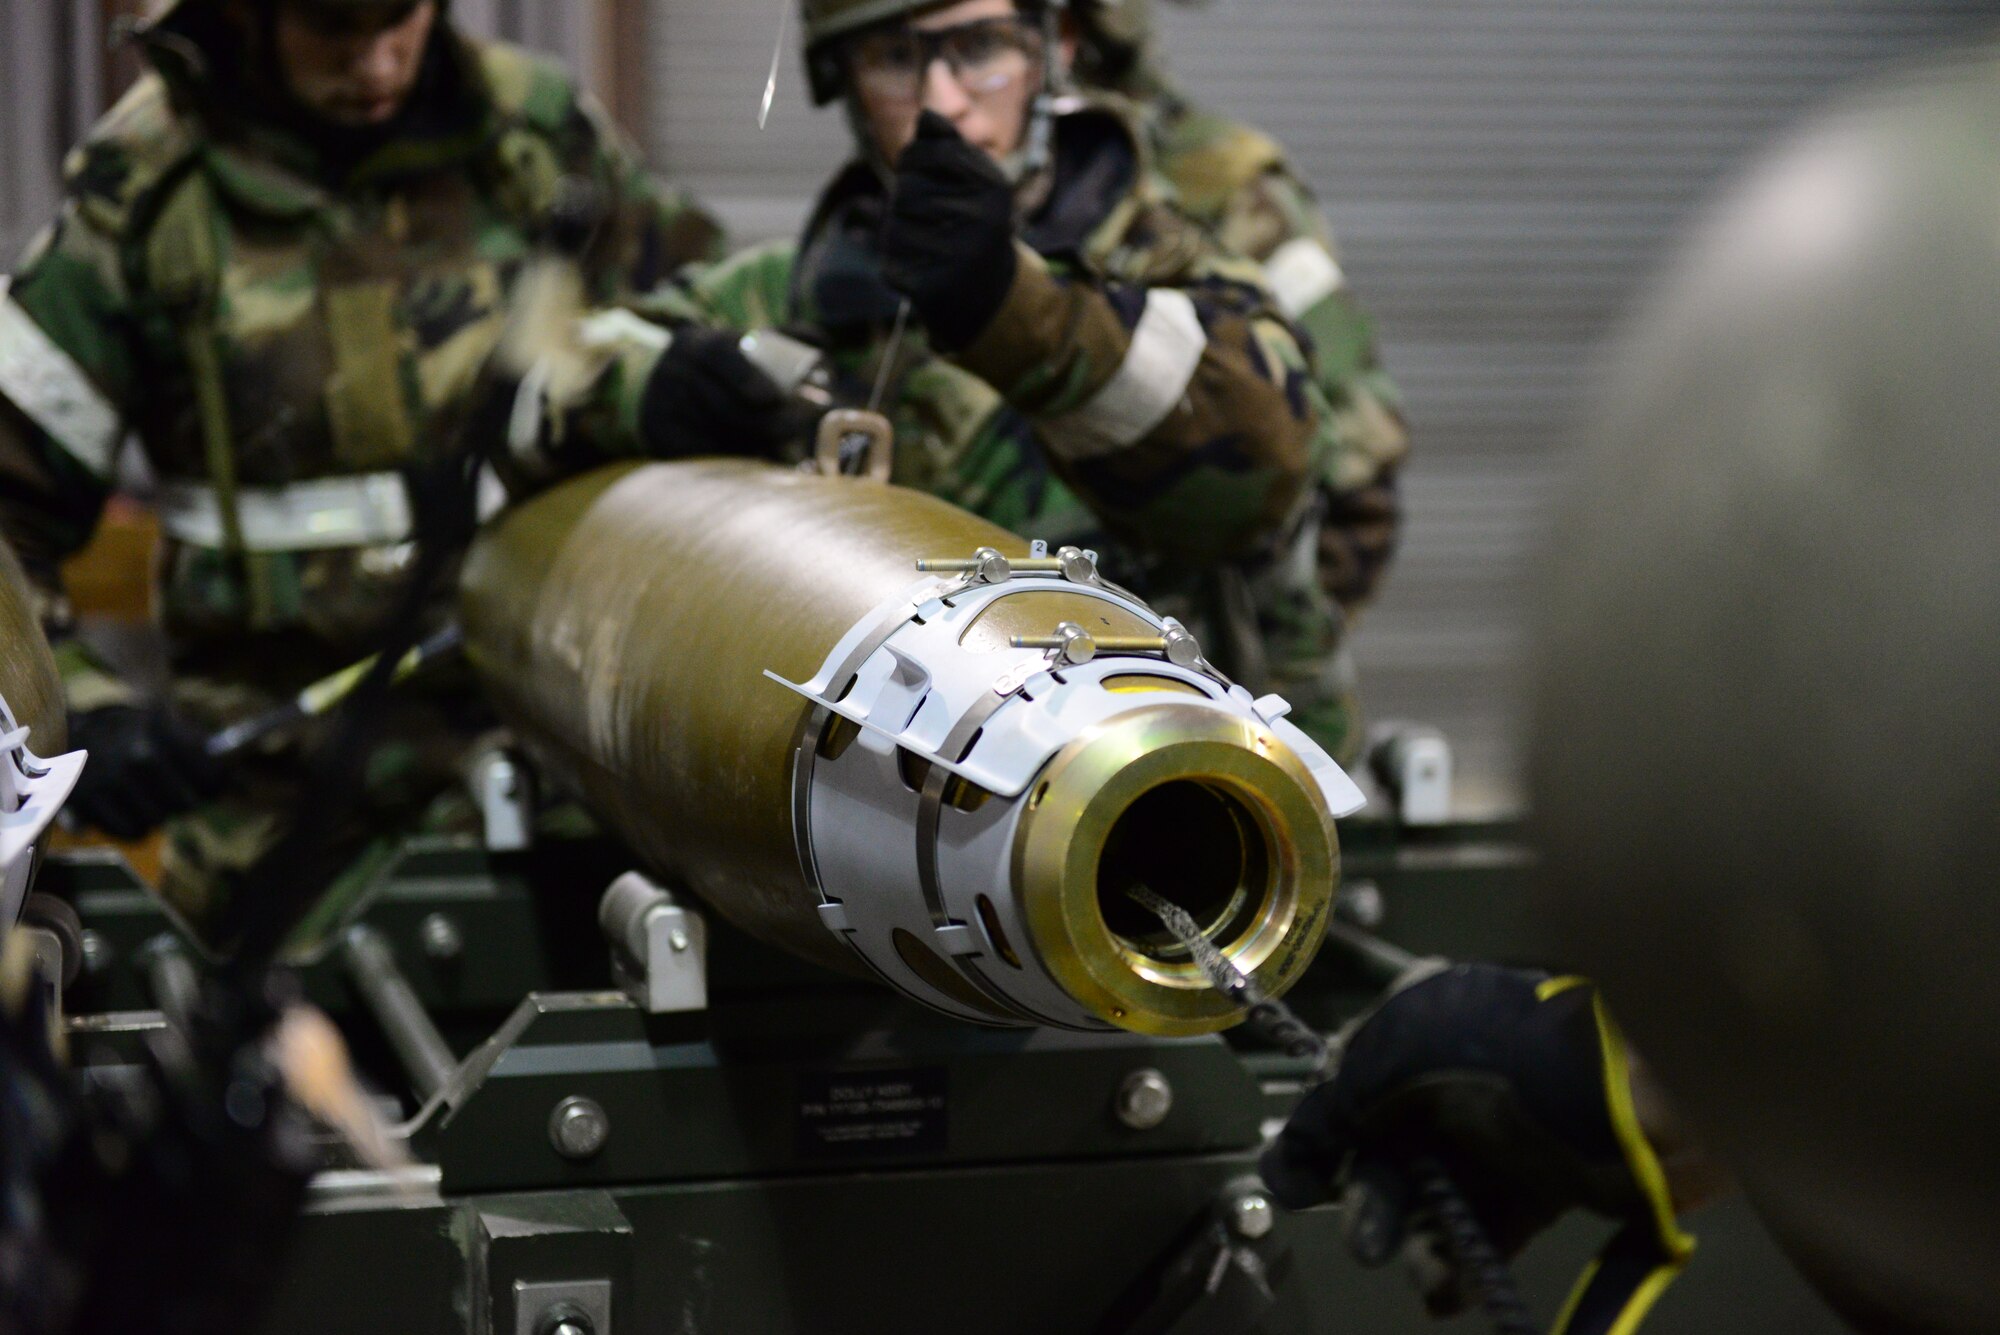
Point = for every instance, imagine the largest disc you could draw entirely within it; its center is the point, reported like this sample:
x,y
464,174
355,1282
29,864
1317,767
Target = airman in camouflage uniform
x,y
284,311
1237,181
1131,387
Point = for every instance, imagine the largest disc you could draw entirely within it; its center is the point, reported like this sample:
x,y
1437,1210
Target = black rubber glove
x,y
1516,1085
948,243
145,765
705,397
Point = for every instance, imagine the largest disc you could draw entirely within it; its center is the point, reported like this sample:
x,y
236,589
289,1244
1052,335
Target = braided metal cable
x,y
1472,1252
1480,1266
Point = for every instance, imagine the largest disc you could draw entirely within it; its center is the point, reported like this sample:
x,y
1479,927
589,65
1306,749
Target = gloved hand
x,y
705,397
1518,1086
948,244
145,765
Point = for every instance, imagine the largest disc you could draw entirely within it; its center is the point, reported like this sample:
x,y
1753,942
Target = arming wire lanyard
x,y
1615,1291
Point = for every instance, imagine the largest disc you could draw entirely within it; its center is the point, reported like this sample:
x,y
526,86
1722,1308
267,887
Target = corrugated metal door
x,y
1502,173
50,63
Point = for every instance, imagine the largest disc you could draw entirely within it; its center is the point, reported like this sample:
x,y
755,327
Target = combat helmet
x,y
442,5
828,22
1115,39
1115,25
358,4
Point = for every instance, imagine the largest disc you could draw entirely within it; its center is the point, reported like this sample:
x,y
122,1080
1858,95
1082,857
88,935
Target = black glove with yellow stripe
x,y
1519,1087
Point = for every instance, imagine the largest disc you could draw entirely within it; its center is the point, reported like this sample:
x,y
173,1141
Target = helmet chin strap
x,y
1031,166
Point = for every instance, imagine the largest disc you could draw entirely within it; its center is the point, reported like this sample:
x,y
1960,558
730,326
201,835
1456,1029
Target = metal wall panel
x,y
1503,174
51,62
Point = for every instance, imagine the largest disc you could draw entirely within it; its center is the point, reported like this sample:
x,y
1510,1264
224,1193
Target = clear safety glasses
x,y
986,58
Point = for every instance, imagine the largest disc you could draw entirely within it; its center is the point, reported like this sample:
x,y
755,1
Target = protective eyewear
x,y
985,58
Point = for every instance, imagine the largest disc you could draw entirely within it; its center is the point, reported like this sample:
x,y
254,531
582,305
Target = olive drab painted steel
x,y
28,679
645,692
796,696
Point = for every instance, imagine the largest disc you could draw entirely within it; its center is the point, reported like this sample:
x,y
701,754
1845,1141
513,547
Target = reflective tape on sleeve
x,y
368,510
1166,351
608,329
47,385
1302,274
527,422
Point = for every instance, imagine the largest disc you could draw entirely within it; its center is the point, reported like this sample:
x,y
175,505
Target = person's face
x,y
353,66
977,63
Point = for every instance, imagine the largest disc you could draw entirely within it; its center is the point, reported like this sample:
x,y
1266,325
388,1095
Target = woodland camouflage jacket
x,y
1138,392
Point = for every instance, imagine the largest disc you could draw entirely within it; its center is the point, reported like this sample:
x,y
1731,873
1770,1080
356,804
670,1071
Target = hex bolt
x,y
1144,1100
1251,1215
564,1319
98,953
578,1127
1361,903
440,938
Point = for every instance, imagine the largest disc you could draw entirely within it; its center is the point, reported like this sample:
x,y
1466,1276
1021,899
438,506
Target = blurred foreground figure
x,y
1766,757
282,263
157,1196
1239,182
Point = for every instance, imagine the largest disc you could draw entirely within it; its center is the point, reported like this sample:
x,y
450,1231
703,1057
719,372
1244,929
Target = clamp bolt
x,y
1181,648
986,567
1073,645
1077,566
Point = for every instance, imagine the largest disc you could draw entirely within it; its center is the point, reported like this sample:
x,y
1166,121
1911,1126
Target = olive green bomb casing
x,y
894,738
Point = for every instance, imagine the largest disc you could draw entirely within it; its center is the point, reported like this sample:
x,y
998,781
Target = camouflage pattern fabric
x,y
1238,182
346,297
1208,511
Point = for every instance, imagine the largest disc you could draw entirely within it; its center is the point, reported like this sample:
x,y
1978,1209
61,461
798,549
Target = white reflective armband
x,y
609,328
47,385
364,510
1166,351
1302,274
